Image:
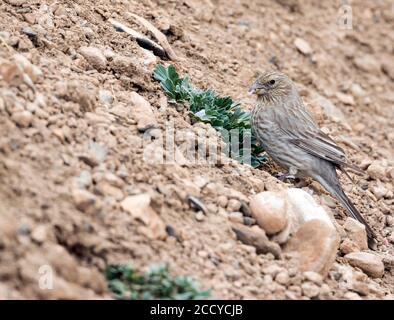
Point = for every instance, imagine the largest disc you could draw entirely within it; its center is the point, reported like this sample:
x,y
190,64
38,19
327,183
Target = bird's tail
x,y
333,186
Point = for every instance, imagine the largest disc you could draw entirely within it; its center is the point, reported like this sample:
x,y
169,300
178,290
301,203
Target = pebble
x,y
376,170
222,201
269,209
142,112
139,208
94,56
39,234
310,289
351,296
85,201
345,98
314,247
356,233
360,287
303,46
84,180
348,246
313,277
357,90
370,263
256,237
236,217
199,216
106,97
367,63
379,191
233,205
22,118
282,278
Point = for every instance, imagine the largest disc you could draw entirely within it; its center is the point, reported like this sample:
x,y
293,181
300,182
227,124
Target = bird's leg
x,y
291,175
282,176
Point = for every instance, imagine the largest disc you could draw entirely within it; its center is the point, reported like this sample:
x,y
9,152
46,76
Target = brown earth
x,y
69,155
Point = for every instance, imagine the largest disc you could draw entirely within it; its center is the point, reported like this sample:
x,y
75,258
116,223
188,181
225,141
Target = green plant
x,y
207,106
126,283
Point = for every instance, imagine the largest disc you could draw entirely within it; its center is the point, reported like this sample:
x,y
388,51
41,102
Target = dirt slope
x,y
72,148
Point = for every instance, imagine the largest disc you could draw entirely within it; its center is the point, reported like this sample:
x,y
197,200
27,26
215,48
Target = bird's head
x,y
272,86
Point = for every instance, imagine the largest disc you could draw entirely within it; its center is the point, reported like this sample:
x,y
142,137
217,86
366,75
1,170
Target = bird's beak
x,y
253,88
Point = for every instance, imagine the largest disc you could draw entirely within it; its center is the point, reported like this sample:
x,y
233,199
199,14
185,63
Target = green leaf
x,y
207,106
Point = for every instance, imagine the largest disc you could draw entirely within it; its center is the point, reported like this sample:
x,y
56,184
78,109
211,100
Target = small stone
x,y
270,211
282,278
105,97
351,296
94,56
249,221
348,246
233,205
357,90
39,234
236,217
22,118
370,263
313,277
379,191
139,208
303,46
142,112
85,201
149,57
310,289
84,180
256,237
367,63
272,270
110,190
314,246
376,170
356,232
360,287
345,98
199,216
222,201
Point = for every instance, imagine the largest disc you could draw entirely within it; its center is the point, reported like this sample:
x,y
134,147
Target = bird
x,y
289,134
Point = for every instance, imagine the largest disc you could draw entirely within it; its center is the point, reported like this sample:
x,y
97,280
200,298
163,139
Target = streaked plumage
x,y
288,133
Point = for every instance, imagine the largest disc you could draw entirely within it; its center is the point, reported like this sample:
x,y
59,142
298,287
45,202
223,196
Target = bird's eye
x,y
272,82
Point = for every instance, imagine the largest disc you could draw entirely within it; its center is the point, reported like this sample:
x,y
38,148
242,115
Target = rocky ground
x,y
78,193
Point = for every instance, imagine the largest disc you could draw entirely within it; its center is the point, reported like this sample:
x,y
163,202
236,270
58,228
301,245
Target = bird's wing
x,y
319,144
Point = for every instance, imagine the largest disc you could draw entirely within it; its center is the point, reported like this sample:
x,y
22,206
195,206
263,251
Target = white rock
x,y
367,63
376,170
106,97
310,289
379,191
303,46
22,118
303,208
94,56
314,246
370,263
356,232
139,208
269,209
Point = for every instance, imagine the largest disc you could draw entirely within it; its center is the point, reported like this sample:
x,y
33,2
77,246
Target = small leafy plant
x,y
126,283
207,106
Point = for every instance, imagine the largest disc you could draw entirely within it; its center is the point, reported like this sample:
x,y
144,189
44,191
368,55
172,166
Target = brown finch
x,y
288,133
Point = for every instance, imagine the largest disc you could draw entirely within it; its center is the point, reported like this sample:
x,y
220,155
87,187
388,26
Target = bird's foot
x,y
285,176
